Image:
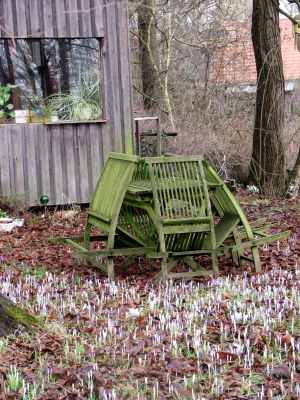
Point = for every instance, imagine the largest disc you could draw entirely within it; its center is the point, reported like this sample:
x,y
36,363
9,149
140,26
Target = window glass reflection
x,y
41,68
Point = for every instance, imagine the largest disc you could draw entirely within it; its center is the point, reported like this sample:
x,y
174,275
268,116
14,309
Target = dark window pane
x,y
44,67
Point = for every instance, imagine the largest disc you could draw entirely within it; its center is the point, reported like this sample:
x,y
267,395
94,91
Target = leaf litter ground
x,y
236,337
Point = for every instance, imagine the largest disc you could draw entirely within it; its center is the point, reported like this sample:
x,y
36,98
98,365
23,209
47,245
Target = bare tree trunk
x,y
148,46
13,318
268,159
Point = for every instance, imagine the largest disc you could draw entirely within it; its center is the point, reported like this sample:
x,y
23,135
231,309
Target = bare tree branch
x,y
294,20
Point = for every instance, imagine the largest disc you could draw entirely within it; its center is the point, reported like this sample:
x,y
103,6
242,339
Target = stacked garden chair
x,y
234,234
104,214
183,213
168,208
172,216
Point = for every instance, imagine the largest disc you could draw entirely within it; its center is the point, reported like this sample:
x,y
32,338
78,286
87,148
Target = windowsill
x,y
62,122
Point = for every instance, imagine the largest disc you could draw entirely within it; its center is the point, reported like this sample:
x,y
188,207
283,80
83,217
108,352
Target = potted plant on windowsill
x,y
81,104
6,107
39,114
38,110
22,116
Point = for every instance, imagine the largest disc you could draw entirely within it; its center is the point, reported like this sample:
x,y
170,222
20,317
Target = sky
x,y
284,4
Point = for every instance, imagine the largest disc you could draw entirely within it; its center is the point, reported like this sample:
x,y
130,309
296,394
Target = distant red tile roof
x,y
290,55
237,64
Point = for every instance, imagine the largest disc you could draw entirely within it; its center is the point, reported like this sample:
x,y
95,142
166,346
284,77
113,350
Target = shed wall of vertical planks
x,y
64,161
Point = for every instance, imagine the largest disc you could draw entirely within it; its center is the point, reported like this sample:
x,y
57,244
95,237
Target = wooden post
x,y
158,132
138,135
137,138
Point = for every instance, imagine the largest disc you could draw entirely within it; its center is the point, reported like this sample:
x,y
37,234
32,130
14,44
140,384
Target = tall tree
x,y
147,44
268,158
293,183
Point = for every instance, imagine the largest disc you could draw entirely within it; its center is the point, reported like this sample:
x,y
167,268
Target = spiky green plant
x,y
79,104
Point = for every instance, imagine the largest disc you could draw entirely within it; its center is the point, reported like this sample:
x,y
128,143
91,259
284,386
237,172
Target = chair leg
x,y
214,259
170,264
256,259
128,260
110,268
191,263
164,270
87,236
236,255
87,241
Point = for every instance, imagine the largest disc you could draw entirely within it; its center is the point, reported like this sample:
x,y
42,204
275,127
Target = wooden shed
x,y
47,49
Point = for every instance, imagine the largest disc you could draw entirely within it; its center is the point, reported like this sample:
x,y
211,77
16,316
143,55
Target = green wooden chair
x,y
183,216
104,214
234,234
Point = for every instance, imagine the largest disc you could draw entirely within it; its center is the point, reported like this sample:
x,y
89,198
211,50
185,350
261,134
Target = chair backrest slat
x,y
180,195
112,184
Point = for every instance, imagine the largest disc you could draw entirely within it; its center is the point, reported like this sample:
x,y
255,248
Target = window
x,y
67,70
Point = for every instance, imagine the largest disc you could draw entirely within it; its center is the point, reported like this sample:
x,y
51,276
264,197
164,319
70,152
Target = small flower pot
x,y
22,116
85,114
7,224
35,118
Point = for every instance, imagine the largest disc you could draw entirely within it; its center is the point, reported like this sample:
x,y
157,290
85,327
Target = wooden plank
x,y
125,77
69,153
253,243
79,239
5,175
72,18
2,33
17,140
30,135
11,162
111,252
102,79
188,275
106,142
27,14
85,23
187,221
9,21
61,21
90,144
36,28
96,155
97,18
64,186
49,19
185,229
83,163
43,153
21,19
222,230
56,166
111,82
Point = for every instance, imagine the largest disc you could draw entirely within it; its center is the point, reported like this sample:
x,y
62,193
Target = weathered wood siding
x,y
59,161
55,18
67,159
